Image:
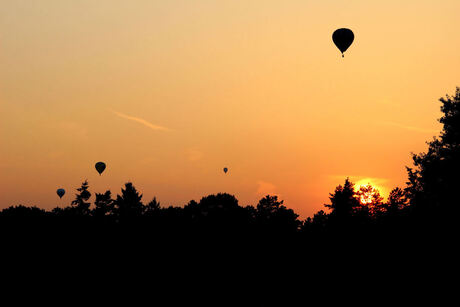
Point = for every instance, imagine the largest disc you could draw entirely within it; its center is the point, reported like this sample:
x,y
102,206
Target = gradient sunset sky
x,y
167,93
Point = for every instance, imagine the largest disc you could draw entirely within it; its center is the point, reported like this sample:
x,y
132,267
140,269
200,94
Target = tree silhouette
x,y
220,210
433,180
217,214
128,205
22,215
103,204
371,202
344,203
218,202
153,214
360,215
358,234
397,201
80,204
152,207
272,215
317,224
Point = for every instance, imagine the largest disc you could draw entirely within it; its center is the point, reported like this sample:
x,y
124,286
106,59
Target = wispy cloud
x,y
140,121
412,128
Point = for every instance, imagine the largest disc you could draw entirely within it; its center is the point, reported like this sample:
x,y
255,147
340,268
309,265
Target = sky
x,y
168,93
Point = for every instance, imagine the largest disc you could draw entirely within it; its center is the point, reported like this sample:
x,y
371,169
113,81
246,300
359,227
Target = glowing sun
x,y
367,193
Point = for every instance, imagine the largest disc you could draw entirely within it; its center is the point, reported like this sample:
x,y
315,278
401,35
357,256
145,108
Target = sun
x,y
366,197
367,192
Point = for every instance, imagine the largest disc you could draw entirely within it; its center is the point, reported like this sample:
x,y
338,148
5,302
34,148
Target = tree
x,y
269,206
153,211
220,201
219,206
434,178
103,204
272,215
371,202
128,205
22,215
397,201
219,212
152,207
344,202
80,204
316,224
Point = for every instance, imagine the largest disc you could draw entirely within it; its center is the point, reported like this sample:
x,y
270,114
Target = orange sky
x,y
167,93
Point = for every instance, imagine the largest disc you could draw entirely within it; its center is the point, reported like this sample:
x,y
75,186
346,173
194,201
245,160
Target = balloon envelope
x,y
343,38
60,192
225,170
100,167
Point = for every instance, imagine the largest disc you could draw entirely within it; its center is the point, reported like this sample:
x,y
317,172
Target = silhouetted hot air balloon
x,y
225,170
100,167
60,192
343,38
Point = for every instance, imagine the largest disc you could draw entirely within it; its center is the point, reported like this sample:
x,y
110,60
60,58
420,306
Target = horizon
x,y
168,94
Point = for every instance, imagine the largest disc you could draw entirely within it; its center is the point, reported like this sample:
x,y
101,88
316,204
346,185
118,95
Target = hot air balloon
x,y
225,170
343,38
100,167
60,192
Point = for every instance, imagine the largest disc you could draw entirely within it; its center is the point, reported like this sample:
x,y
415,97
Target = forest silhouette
x,y
429,200
219,239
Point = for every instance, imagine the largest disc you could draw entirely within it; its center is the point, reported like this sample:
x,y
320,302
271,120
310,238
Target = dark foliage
x,y
434,178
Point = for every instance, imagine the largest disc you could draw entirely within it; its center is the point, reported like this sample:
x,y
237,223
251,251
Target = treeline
x,y
220,212
429,201
215,213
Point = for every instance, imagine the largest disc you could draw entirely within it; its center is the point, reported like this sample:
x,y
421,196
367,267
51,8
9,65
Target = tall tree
x,y
434,178
80,204
397,201
344,202
103,204
128,205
